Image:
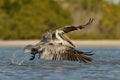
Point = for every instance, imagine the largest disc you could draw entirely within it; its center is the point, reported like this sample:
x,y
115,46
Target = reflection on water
x,y
15,65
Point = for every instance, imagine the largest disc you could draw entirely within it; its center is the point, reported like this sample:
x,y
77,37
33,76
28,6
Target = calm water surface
x,y
14,65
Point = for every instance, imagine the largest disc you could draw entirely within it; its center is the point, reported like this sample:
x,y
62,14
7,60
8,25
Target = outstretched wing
x,y
61,52
67,29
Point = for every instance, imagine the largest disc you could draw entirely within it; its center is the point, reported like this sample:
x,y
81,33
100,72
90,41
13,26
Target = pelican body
x,y
52,46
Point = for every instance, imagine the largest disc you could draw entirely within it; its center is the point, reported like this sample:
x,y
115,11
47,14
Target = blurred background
x,y
29,19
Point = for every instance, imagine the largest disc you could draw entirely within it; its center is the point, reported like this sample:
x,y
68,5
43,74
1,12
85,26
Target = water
x,y
14,65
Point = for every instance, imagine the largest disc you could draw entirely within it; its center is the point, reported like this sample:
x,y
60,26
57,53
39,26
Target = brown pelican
x,y
58,35
52,46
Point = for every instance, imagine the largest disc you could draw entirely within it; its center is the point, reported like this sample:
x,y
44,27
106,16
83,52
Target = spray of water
x,y
18,59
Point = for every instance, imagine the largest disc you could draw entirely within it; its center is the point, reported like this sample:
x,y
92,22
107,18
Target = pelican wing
x,y
61,52
67,29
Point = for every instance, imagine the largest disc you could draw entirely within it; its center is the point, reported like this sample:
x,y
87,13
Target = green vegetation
x,y
29,19
106,16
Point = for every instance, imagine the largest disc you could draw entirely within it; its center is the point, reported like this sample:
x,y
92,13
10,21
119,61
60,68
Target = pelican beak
x,y
33,56
64,37
34,52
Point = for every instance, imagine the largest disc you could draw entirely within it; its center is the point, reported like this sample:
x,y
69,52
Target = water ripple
x,y
106,66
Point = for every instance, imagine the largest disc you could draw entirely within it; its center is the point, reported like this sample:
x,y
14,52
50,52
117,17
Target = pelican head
x,y
32,50
60,34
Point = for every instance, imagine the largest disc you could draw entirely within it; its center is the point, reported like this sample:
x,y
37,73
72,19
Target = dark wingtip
x,y
87,59
89,22
89,54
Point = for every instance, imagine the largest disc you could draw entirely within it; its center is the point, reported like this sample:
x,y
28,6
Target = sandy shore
x,y
82,43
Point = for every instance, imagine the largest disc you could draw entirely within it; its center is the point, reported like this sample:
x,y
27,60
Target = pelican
x,y
60,53
58,36
52,46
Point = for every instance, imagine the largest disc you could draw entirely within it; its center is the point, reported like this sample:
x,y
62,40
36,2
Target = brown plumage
x,y
70,28
61,52
52,46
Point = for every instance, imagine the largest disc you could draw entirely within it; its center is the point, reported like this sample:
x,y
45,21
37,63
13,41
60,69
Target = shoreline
x,y
81,43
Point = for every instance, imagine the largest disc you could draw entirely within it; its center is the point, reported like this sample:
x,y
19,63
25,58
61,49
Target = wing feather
x,y
61,52
70,28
